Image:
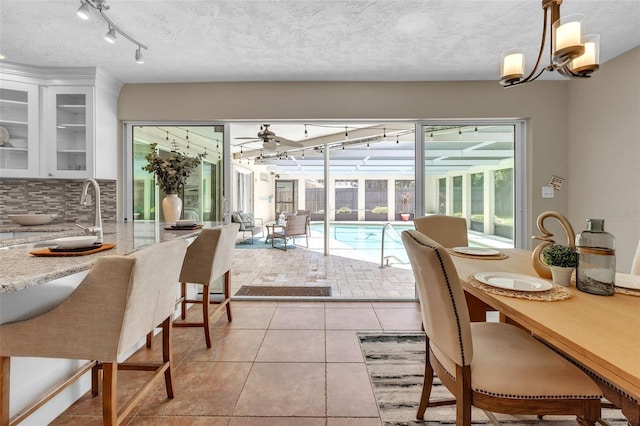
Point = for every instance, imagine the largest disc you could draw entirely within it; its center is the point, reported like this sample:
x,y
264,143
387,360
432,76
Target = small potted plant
x,y
562,260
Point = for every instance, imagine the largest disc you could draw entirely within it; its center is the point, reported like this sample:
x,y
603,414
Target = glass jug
x,y
596,270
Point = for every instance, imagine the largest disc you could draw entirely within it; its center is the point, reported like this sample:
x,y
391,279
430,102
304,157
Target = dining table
x,y
600,334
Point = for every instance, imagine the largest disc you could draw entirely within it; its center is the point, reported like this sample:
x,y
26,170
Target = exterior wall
x,y
543,103
604,152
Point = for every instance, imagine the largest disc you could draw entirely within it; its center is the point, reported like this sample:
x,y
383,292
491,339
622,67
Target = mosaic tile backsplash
x,y
59,196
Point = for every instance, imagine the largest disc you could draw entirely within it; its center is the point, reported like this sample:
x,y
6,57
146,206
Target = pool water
x,y
367,238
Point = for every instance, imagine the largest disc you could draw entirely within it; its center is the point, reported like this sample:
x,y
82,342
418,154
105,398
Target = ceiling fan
x,y
271,141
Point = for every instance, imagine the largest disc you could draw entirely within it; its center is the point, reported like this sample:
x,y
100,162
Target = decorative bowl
x,y
76,242
31,219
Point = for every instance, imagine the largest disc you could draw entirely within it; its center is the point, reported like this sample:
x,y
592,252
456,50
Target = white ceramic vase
x,y
171,207
561,275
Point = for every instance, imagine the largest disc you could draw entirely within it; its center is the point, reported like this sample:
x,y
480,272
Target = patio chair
x,y
308,214
448,231
248,223
496,367
296,227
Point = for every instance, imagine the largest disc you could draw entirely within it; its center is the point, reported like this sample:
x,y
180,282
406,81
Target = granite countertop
x,y
21,270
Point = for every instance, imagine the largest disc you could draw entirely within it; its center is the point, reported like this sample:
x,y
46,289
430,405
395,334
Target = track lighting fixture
x,y
475,131
384,132
397,139
306,134
84,12
110,36
460,132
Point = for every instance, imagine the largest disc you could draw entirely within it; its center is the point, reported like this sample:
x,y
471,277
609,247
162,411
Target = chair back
x,y
152,294
120,300
296,225
448,231
442,302
209,256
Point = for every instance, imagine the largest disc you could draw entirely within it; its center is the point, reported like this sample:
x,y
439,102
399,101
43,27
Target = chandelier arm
x,y
544,38
529,77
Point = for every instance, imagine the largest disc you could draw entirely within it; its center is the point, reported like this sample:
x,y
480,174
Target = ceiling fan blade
x,y
270,145
249,137
288,142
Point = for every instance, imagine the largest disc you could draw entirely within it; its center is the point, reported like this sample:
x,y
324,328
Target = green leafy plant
x,y
380,210
559,255
343,210
172,172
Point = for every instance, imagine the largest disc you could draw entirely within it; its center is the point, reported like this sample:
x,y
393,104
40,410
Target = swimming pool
x,y
366,238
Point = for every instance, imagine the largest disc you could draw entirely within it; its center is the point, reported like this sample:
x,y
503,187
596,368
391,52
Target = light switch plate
x,y
547,192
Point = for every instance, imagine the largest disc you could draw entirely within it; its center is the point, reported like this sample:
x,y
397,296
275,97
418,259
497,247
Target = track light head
x,y
139,57
110,36
83,11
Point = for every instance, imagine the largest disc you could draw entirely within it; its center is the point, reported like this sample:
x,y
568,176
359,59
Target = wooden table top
x,y
600,332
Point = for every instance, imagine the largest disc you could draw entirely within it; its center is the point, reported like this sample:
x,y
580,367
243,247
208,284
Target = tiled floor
x,y
349,275
276,363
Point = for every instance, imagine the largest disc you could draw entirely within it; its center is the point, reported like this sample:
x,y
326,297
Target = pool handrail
x,y
384,233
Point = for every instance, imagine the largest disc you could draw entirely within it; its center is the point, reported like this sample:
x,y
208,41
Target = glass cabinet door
x,y
72,119
18,130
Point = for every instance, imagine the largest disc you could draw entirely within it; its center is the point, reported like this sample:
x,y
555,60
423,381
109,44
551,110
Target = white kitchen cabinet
x,y
62,122
69,136
19,103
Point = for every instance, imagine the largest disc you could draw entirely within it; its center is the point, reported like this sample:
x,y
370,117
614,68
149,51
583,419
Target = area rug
x,y
247,290
396,369
258,243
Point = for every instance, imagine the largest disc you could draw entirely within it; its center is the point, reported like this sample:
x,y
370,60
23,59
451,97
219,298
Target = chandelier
x,y
571,53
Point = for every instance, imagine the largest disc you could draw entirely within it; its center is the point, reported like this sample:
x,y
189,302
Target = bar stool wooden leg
x,y
109,387
227,284
205,314
183,300
166,355
5,363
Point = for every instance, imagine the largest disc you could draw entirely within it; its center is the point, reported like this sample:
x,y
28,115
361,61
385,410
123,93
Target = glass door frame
x,y
520,169
126,214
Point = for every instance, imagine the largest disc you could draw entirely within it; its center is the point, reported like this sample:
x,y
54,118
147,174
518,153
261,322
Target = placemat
x,y
627,291
553,294
47,251
182,228
500,256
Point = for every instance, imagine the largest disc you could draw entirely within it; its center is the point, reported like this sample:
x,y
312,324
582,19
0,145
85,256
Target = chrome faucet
x,y
97,216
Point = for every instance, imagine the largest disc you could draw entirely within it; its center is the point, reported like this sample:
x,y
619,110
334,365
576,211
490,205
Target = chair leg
x,y
109,399
463,395
166,355
183,302
205,314
5,370
227,293
149,339
426,386
95,379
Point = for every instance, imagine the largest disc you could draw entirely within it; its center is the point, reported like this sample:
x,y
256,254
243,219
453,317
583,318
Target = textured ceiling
x,y
299,40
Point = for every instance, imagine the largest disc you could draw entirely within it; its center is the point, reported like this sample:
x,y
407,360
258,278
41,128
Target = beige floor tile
x,y
343,346
283,389
249,318
179,421
229,345
351,319
306,318
351,421
292,346
277,421
399,319
349,392
201,389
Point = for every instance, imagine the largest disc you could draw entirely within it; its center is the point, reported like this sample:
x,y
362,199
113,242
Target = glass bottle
x,y
596,270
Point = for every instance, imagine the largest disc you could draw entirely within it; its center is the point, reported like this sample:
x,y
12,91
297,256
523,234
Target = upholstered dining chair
x,y
448,231
207,259
120,300
496,367
297,226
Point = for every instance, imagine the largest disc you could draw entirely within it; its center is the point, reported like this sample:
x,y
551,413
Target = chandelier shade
x,y
571,53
